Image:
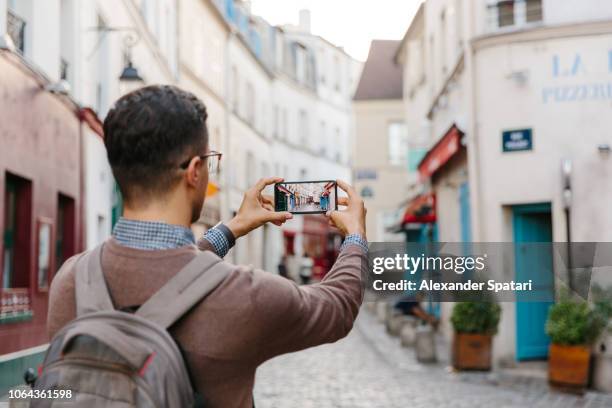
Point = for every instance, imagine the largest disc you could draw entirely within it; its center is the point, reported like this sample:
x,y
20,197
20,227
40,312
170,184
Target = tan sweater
x,y
251,317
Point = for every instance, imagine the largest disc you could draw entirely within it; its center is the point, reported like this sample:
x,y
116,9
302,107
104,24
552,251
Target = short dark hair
x,y
148,133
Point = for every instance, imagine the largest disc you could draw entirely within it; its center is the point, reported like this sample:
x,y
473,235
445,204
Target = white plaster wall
x,y
98,192
562,129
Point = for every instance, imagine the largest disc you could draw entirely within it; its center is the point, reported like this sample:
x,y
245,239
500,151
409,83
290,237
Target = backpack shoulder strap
x,y
185,289
90,287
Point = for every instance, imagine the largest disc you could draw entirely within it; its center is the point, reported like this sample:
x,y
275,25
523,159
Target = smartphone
x,y
306,197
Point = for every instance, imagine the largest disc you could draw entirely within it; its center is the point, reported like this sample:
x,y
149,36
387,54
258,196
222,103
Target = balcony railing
x,y
16,30
14,301
514,13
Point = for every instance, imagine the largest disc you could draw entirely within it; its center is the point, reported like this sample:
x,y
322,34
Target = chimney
x,y
305,20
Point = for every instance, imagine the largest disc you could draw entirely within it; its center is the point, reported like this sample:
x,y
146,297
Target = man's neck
x,y
160,213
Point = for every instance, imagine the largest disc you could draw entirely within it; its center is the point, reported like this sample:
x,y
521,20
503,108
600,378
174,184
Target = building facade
x,y
381,168
289,115
278,101
517,95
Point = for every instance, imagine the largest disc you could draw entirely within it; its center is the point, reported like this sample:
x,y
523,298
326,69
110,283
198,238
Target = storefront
x,y
321,242
40,208
543,121
444,170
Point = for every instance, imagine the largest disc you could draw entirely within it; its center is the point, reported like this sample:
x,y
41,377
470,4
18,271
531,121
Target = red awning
x,y
89,116
440,153
421,210
283,189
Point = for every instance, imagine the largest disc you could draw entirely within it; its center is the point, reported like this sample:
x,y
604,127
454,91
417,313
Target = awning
x,y
421,210
280,187
440,153
211,189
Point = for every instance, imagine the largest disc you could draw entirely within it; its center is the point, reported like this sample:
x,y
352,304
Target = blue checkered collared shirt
x,y
355,239
151,235
155,235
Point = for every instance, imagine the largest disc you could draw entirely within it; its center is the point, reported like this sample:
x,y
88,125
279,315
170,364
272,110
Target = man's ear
x,y
193,174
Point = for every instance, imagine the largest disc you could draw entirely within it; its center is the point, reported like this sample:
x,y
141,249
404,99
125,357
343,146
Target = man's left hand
x,y
257,209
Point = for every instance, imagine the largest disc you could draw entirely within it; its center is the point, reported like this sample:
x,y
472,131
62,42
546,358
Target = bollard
x,y
425,345
381,311
408,332
395,322
602,363
20,402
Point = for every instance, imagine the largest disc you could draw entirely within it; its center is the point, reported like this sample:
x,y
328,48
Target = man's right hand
x,y
352,220
257,209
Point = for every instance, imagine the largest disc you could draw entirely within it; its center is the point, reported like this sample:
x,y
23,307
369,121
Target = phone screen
x,y
306,197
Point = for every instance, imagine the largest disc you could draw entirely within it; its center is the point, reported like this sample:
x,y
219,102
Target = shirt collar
x,y
151,235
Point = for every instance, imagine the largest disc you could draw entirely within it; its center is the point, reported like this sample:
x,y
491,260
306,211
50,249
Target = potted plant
x,y
475,323
573,325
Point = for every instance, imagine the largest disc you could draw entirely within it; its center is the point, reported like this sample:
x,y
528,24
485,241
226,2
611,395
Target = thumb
x,y
280,216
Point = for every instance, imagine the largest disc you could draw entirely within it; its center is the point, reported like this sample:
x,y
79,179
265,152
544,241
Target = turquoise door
x,y
533,224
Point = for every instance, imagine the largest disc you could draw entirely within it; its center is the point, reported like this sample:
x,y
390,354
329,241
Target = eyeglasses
x,y
213,161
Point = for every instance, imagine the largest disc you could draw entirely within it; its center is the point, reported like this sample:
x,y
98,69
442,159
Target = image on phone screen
x,y
306,197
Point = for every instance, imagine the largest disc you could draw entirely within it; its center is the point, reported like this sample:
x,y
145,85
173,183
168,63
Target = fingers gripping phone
x,y
306,197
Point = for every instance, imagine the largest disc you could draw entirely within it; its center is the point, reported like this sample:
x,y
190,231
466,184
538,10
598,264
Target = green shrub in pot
x,y
476,317
574,322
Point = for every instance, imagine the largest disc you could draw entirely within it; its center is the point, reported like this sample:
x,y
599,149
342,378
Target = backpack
x,y
111,358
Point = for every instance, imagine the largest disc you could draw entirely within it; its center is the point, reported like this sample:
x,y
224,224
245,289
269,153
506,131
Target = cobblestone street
x,y
369,369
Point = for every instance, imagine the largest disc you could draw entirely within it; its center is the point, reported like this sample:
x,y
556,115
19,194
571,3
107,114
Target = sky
x,y
351,24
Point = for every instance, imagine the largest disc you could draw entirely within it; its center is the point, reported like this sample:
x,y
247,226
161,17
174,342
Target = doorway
x,y
532,223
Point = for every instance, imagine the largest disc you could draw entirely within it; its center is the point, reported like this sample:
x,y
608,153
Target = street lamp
x,y
130,79
604,150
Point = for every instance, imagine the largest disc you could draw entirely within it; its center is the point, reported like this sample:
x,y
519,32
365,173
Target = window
x,y
303,130
17,232
66,39
103,77
43,264
398,143
338,76
322,66
101,229
65,242
285,127
235,89
300,62
432,59
323,138
533,11
367,192
276,125
251,173
505,13
337,143
459,23
443,40
250,104
16,27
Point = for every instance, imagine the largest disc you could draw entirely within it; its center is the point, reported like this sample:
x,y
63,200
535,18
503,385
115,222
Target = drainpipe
x,y
227,138
82,188
566,173
474,167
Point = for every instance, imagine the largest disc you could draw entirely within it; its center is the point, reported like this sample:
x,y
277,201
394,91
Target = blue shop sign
x,y
366,174
517,140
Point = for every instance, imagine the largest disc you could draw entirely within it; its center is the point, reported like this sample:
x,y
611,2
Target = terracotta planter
x,y
568,367
472,351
